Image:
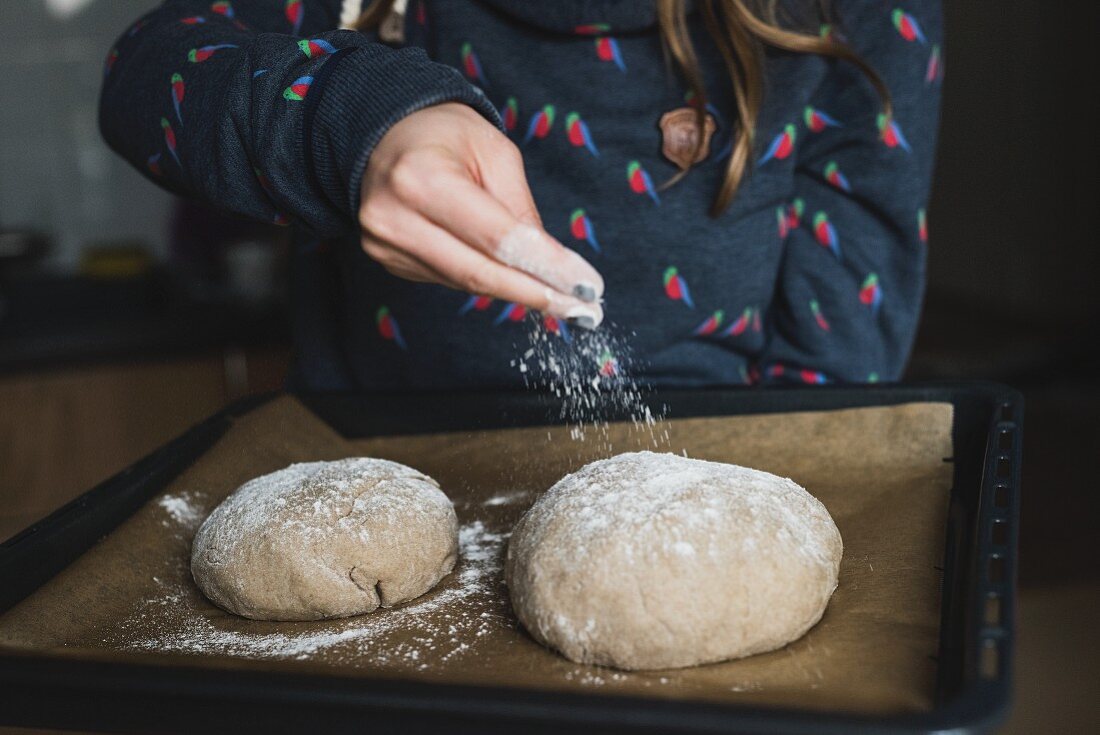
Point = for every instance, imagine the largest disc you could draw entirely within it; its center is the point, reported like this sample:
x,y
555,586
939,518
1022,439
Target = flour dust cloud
x,y
592,373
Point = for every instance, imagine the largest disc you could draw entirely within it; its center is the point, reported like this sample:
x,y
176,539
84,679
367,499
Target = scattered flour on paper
x,y
435,628
181,510
441,627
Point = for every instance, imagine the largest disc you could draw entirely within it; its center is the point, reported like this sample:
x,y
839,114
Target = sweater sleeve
x,y
260,107
852,280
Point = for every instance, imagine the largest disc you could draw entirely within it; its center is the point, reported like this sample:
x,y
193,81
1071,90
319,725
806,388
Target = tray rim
x,y
37,679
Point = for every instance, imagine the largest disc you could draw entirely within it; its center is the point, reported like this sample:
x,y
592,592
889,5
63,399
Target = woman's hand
x,y
445,200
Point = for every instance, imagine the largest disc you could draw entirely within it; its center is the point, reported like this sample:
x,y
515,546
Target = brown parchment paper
x,y
880,471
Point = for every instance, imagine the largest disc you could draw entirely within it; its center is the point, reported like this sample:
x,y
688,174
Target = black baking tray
x,y
976,632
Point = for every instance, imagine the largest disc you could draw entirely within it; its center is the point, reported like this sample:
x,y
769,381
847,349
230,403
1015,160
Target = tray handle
x,y
992,618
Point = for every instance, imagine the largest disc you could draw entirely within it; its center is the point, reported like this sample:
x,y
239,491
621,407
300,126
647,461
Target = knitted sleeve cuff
x,y
365,92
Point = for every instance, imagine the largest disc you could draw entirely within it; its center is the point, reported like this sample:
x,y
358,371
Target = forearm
x,y
252,118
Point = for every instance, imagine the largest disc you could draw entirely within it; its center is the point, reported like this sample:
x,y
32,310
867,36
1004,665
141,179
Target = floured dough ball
x,y
652,561
326,540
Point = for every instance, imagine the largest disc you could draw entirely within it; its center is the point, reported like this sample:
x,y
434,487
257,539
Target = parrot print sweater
x,y
814,274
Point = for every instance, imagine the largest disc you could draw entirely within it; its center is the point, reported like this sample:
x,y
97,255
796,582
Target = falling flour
x,y
591,373
507,498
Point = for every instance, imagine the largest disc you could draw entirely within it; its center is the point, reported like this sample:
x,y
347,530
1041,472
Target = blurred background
x,y
127,315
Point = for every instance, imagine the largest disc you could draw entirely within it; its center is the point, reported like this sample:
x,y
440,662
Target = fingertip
x,y
585,292
586,316
588,284
574,312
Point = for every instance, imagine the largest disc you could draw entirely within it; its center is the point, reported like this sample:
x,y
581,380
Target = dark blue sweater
x,y
814,274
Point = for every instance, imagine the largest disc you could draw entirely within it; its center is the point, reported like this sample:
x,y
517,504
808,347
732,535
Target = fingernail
x,y
580,316
585,292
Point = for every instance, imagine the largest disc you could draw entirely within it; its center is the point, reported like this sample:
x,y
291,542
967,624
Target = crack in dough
x,y
291,545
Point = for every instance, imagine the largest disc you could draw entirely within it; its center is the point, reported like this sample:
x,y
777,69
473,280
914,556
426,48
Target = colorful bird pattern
x,y
314,47
298,89
834,176
295,12
178,91
676,287
170,139
789,217
540,125
608,364
607,49
512,312
794,214
578,133
709,325
510,114
741,324
205,53
475,303
826,234
908,26
640,182
581,228
781,146
817,121
828,32
387,327
812,377
934,71
558,327
870,293
891,134
592,29
819,318
472,65
225,10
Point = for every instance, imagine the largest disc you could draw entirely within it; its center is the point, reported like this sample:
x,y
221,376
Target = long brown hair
x,y
742,30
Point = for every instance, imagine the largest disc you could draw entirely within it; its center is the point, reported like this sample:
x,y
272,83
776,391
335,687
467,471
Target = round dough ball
x,y
326,540
653,561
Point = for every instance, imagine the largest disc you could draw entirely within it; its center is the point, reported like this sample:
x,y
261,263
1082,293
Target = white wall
x,y
56,173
